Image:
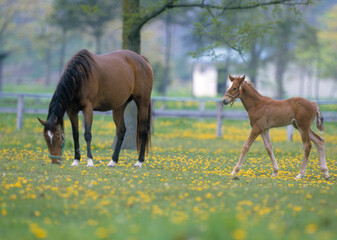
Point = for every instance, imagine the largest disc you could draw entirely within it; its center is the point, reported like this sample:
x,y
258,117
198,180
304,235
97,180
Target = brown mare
x,y
102,83
265,113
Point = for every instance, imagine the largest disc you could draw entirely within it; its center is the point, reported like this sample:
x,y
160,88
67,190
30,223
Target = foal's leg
x,y
118,117
74,125
254,133
306,151
319,142
143,129
88,117
267,142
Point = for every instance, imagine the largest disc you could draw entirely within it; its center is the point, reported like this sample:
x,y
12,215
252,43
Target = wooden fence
x,y
219,113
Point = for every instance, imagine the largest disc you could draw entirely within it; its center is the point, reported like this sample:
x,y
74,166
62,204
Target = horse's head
x,y
233,92
55,140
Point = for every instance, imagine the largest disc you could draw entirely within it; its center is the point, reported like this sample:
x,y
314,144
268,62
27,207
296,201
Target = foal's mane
x,y
68,90
250,86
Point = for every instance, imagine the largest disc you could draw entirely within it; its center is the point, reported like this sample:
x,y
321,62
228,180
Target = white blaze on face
x,y
50,136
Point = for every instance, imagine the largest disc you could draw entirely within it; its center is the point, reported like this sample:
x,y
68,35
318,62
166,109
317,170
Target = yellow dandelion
x,y
239,234
311,228
102,233
297,208
3,212
38,231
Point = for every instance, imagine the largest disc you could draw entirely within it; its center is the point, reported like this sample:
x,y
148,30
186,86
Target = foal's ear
x,y
41,121
242,78
230,78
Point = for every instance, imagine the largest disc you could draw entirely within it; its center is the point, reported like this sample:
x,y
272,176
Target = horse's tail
x,y
319,119
144,133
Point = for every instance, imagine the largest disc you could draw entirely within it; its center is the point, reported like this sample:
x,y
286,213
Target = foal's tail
x,y
319,119
144,133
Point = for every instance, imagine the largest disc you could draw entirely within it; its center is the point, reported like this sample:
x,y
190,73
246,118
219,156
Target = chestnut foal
x,y
265,113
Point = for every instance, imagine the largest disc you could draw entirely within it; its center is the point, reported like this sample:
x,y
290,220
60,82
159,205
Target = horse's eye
x,y
234,88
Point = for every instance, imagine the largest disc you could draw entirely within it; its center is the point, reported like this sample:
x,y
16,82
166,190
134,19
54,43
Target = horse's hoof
x,y
299,176
327,178
75,163
138,164
112,164
235,177
90,163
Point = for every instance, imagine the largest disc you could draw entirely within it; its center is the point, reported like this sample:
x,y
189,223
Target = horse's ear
x,y
42,122
230,78
242,78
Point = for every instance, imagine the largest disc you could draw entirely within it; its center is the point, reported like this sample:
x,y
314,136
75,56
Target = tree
x,y
95,14
327,38
307,54
65,15
134,19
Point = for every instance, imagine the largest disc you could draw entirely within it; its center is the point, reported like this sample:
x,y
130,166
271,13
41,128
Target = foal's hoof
x,y
327,178
299,176
138,164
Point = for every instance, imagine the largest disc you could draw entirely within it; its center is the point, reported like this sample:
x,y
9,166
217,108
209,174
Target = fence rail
x,y
219,113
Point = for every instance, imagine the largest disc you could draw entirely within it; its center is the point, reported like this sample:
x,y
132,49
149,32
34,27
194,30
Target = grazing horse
x,y
265,113
102,83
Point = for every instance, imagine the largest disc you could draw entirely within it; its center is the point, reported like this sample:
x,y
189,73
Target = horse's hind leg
x,y
267,142
143,127
319,142
306,151
118,117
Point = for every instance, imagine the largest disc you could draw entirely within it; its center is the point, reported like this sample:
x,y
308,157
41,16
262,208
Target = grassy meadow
x,y
183,191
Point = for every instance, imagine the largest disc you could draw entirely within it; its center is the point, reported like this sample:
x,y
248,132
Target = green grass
x,y
183,191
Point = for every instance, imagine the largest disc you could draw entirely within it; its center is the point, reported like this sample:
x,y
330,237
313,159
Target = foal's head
x,y
233,92
55,140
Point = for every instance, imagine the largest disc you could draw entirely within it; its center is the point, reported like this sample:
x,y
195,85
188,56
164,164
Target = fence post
x,y
219,119
201,108
290,131
19,113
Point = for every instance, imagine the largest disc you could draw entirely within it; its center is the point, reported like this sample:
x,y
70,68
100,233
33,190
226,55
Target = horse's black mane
x,y
68,90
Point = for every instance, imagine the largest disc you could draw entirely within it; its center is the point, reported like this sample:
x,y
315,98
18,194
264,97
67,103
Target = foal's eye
x,y
234,88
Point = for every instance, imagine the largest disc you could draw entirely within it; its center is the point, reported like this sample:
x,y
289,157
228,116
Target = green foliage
x,y
327,38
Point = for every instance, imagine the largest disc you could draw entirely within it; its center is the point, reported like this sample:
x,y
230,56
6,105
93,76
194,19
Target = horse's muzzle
x,y
225,101
58,162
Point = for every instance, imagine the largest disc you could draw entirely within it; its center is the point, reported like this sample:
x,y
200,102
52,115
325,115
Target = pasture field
x,y
183,191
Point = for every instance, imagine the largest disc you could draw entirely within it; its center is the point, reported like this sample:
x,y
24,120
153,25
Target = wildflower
x,y
102,233
38,231
311,228
239,234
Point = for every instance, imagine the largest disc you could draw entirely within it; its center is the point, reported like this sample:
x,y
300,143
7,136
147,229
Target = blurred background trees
x,y
273,45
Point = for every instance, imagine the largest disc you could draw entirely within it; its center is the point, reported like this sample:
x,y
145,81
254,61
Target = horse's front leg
x,y
267,142
74,125
88,117
252,136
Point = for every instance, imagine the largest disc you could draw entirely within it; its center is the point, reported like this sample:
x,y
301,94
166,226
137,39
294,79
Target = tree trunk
x,y
131,41
131,28
98,38
62,50
253,63
168,33
3,55
48,66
